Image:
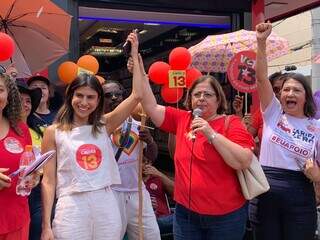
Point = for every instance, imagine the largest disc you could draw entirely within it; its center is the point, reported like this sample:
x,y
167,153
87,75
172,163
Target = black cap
x,y
35,94
38,78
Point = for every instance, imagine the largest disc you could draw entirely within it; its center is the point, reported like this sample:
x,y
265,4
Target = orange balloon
x,y
101,79
89,62
67,71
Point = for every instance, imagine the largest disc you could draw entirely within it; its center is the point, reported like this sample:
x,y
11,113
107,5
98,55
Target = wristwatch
x,y
212,137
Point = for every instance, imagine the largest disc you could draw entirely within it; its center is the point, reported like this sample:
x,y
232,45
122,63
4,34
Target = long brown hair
x,y
64,118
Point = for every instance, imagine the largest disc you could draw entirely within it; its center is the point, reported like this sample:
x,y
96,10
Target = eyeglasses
x,y
113,94
205,95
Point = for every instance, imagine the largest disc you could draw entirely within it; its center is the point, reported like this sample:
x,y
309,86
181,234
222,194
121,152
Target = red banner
x,y
241,71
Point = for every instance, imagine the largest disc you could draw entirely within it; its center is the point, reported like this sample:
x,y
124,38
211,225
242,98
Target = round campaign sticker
x,y
88,157
241,71
13,145
153,186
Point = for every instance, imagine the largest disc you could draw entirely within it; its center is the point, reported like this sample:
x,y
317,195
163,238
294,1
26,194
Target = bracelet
x,y
212,137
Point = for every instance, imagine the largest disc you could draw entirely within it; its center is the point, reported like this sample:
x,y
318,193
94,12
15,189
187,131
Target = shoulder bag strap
x,y
226,124
124,137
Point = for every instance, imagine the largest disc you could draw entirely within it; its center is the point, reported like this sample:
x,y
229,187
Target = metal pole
x,y
315,70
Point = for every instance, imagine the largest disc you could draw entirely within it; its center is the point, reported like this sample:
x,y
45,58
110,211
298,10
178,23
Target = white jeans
x,y
87,216
129,205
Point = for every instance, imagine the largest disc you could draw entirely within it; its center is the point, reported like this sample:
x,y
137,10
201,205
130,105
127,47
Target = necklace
x,y
213,117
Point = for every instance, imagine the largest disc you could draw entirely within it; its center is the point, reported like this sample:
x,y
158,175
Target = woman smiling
x,y
84,167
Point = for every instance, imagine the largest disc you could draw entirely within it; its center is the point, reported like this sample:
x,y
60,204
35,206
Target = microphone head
x,y
197,112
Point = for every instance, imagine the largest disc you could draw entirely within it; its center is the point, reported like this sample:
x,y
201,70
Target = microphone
x,y
197,112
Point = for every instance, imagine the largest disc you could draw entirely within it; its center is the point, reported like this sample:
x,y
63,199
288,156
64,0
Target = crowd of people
x,y
89,189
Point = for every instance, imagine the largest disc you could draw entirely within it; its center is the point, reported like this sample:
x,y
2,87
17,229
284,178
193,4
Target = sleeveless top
x,y
84,162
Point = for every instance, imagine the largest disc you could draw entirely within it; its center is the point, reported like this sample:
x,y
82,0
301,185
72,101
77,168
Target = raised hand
x,y
133,39
263,30
237,105
130,65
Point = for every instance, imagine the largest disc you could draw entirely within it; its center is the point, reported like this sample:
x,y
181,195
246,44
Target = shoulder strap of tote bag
x,y
226,124
124,137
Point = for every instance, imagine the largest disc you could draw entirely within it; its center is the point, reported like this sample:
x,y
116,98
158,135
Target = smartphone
x,y
127,45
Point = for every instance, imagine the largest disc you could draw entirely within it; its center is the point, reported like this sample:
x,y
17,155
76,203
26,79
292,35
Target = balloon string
x,y
177,98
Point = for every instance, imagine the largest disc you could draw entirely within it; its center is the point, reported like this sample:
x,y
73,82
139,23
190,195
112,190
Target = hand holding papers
x,y
35,165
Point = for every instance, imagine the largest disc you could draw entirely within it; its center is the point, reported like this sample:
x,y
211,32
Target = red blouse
x,y
215,189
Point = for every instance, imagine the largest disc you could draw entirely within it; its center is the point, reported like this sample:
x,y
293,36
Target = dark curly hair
x,y
12,110
64,118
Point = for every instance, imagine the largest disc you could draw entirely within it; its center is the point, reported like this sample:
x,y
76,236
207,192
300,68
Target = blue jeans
x,y
189,225
165,224
35,206
288,210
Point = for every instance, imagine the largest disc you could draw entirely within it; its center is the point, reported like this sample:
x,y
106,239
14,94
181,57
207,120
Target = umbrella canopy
x,y
214,53
40,30
316,59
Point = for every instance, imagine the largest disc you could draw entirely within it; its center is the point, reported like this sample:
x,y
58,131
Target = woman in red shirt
x,y
210,204
14,135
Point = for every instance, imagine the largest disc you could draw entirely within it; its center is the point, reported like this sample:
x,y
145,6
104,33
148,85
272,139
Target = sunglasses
x,y
113,94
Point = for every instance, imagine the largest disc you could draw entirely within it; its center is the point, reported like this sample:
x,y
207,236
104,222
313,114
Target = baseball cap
x,y
35,94
38,78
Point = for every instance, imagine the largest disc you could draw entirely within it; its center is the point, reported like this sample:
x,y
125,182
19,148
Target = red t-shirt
x,y
14,209
158,196
257,123
215,189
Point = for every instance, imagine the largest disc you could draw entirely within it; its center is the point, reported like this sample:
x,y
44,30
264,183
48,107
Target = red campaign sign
x,y
241,71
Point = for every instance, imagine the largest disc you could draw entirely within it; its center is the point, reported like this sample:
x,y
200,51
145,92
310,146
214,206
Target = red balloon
x,y
192,75
159,72
171,95
179,58
6,46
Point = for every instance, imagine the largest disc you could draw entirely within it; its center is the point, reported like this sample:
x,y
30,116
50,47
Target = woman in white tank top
x,y
84,166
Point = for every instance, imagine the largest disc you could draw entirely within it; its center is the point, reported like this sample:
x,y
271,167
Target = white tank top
x,y
84,162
